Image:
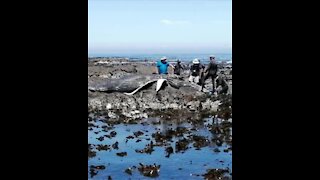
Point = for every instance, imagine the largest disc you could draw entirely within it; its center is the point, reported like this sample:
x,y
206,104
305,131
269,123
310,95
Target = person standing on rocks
x,y
178,67
163,65
211,72
195,71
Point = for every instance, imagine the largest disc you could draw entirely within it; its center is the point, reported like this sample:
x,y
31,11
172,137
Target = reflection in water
x,y
193,146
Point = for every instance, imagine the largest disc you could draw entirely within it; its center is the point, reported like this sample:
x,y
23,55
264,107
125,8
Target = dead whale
x,y
132,84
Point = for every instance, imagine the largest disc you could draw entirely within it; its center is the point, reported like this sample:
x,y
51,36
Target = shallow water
x,y
188,164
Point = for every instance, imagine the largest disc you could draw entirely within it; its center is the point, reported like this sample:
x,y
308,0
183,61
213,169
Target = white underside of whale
x,y
159,85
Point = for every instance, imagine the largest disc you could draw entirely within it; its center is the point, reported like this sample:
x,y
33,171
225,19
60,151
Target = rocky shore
x,y
146,101
177,132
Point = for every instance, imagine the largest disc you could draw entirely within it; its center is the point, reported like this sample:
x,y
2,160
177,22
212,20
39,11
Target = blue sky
x,y
160,26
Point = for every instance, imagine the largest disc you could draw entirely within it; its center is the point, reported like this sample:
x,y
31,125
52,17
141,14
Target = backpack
x,y
195,69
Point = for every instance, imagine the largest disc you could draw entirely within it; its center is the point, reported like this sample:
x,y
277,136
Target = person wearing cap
x,y
195,71
178,67
211,72
163,65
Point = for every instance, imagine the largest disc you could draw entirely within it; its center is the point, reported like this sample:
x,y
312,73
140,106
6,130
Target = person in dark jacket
x,y
178,67
195,71
211,72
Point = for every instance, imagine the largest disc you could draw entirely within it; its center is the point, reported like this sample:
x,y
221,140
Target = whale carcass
x,y
131,84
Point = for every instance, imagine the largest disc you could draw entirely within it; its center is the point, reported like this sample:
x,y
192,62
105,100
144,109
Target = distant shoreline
x,y
171,57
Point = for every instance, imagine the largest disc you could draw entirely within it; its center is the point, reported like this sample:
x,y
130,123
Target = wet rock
x,y
91,153
93,173
226,124
160,137
106,128
169,150
216,174
138,133
108,136
216,150
91,125
200,142
128,171
149,170
112,115
113,133
215,129
115,145
182,145
98,167
131,120
130,137
178,132
93,169
122,154
218,141
100,138
101,147
156,122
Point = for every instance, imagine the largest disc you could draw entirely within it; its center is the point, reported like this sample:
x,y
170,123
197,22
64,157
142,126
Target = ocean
x,y
204,58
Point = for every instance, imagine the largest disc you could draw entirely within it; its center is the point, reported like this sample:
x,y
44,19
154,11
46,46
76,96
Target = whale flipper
x,y
136,90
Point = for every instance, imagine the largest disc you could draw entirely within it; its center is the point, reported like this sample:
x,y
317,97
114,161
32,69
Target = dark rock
x,y
113,133
130,137
149,170
216,150
91,154
101,138
128,171
122,154
103,147
182,145
98,167
200,142
93,173
115,145
169,150
216,174
138,133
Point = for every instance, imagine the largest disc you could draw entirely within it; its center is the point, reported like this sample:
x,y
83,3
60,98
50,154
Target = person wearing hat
x,y
163,65
195,71
211,72
178,67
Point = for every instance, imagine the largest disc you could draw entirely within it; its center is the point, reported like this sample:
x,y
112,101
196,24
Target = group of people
x,y
198,73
